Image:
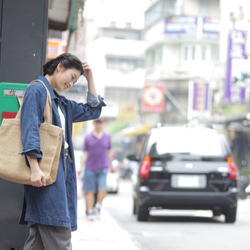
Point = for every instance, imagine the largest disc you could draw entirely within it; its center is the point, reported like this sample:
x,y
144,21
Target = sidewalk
x,y
103,234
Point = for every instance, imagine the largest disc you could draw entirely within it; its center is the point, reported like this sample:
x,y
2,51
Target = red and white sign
x,y
153,97
55,47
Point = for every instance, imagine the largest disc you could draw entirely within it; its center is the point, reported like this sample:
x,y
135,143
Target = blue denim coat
x,y
56,204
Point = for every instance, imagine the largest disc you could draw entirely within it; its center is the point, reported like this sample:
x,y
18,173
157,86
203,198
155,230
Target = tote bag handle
x,y
47,113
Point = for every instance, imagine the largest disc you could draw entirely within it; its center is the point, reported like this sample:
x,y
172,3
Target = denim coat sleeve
x,y
31,118
83,112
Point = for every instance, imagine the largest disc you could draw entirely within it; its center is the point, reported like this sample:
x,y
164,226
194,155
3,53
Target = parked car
x,y
185,168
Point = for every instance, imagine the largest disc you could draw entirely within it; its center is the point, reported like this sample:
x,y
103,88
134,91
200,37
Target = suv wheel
x,y
142,213
230,215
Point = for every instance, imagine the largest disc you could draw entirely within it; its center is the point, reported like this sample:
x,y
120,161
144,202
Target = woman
x,y
51,211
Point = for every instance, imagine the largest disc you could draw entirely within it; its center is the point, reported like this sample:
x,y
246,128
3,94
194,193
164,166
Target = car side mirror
x,y
132,157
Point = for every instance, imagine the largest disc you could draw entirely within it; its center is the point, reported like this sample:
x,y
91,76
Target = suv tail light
x,y
232,168
145,166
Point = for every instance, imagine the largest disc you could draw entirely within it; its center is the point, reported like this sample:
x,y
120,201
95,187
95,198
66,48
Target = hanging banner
x,y
199,104
237,58
153,97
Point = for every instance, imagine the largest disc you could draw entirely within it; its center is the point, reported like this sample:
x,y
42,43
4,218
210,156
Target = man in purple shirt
x,y
97,158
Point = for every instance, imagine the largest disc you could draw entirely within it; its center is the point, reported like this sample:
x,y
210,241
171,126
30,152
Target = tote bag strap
x,y
47,113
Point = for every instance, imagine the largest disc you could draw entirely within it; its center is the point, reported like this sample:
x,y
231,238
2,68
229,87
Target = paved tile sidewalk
x,y
103,234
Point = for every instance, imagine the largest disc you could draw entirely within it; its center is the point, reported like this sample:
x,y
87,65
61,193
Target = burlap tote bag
x,y
12,164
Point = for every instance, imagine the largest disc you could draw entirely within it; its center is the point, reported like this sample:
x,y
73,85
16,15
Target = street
x,y
177,230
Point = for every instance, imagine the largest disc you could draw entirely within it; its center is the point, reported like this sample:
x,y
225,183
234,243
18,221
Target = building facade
x,y
183,38
187,53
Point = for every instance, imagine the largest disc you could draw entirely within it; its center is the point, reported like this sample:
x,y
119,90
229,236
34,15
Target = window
x,y
185,57
190,142
128,24
189,53
154,56
158,55
126,95
161,9
124,64
150,58
214,53
153,14
203,53
120,37
211,6
193,52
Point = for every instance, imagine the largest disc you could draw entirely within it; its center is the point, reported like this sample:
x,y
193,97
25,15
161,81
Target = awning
x,y
135,131
63,14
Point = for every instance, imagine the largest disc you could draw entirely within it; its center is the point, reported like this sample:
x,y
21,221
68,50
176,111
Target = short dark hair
x,y
99,120
68,61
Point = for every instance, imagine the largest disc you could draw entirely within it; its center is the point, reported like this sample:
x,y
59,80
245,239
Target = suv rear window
x,y
204,142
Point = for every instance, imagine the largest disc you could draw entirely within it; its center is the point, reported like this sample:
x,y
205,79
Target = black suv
x,y
185,168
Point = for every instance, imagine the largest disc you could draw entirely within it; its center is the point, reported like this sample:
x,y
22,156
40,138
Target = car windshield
x,y
186,141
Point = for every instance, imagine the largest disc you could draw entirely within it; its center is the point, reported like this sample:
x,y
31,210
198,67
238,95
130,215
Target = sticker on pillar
x,y
8,115
14,92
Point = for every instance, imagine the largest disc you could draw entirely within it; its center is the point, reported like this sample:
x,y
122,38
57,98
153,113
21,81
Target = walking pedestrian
x,y
97,155
51,211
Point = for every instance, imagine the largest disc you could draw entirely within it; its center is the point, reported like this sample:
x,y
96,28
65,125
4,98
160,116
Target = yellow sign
x,y
77,127
127,112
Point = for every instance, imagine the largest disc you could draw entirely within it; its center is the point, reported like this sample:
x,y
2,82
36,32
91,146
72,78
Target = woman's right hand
x,y
87,73
37,176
